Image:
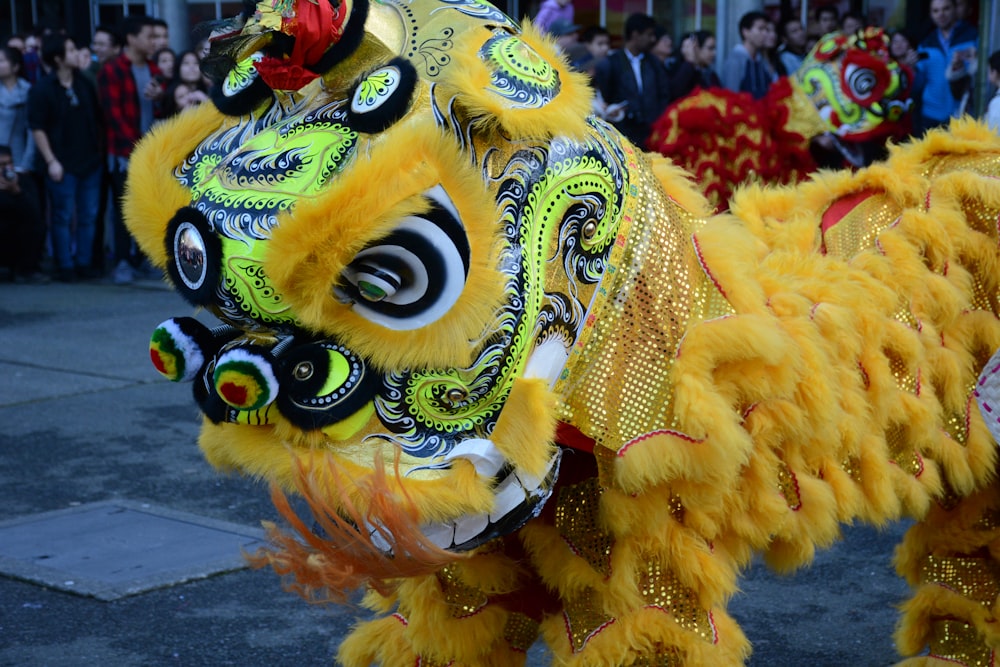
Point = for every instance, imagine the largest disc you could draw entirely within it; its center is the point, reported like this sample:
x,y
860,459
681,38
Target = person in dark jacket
x,y
629,79
65,120
695,70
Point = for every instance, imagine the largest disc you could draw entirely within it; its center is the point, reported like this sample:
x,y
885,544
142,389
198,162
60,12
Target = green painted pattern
x,y
244,278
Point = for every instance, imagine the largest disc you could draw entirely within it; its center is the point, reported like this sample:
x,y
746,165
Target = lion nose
x,y
244,378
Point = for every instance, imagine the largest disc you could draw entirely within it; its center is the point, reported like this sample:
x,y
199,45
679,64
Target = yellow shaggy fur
x,y
816,369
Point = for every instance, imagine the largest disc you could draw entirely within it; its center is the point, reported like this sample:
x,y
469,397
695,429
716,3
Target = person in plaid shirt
x,y
130,87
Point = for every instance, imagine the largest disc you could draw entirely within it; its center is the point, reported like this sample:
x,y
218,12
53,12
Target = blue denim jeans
x,y
79,195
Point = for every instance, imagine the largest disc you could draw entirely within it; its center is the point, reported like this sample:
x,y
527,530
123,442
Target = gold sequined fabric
x,y
959,643
584,618
577,523
860,226
901,451
663,657
788,485
520,631
973,578
463,599
615,385
660,588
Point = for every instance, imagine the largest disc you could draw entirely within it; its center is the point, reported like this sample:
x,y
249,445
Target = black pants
x,y
125,247
22,228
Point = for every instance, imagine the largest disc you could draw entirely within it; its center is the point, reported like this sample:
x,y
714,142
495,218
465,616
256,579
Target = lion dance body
x,y
527,383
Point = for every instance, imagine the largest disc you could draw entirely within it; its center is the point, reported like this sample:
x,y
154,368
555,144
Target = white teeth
x,y
441,534
377,538
470,526
481,453
509,496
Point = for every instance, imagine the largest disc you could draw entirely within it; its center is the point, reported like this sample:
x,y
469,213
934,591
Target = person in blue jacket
x,y
945,69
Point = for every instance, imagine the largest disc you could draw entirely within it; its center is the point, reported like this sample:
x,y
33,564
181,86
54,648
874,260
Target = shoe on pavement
x,y
123,274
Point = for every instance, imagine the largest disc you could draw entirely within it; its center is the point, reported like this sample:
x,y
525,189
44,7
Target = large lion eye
x,y
414,275
861,82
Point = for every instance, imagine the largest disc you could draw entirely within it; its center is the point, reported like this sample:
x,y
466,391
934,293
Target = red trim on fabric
x,y
840,208
646,436
704,266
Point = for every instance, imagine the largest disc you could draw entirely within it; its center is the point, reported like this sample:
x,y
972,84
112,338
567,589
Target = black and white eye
x,y
861,82
413,276
194,255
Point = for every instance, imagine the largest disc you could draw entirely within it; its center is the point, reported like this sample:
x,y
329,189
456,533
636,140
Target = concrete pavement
x,y
85,418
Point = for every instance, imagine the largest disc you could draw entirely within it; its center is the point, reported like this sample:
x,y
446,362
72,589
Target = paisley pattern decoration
x,y
518,73
481,10
241,76
382,97
375,89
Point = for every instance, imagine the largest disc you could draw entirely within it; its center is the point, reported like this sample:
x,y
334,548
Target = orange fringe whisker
x,y
327,564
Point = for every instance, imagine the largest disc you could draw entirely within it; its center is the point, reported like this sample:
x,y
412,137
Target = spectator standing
x,y
852,22
14,131
188,89
567,36
663,49
992,117
744,69
65,121
772,60
597,40
165,60
793,48
21,225
161,34
628,77
827,20
698,52
130,89
901,48
944,71
552,11
105,45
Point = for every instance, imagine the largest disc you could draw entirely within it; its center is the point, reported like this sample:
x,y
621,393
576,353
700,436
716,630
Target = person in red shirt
x,y
130,87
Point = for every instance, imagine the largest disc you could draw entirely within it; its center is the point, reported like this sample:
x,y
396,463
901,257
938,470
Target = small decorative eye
x,y
374,283
303,370
194,256
189,254
456,395
589,229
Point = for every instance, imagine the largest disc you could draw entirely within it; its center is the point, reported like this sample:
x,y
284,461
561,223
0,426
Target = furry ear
x,y
518,83
152,197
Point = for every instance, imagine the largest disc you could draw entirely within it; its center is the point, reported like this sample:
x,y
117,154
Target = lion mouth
x,y
518,498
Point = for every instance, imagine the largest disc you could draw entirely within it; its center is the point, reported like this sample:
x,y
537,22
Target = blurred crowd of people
x,y
71,112
635,83
70,115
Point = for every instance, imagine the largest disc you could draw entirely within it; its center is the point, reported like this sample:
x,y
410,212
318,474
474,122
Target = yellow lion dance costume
x,y
527,383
